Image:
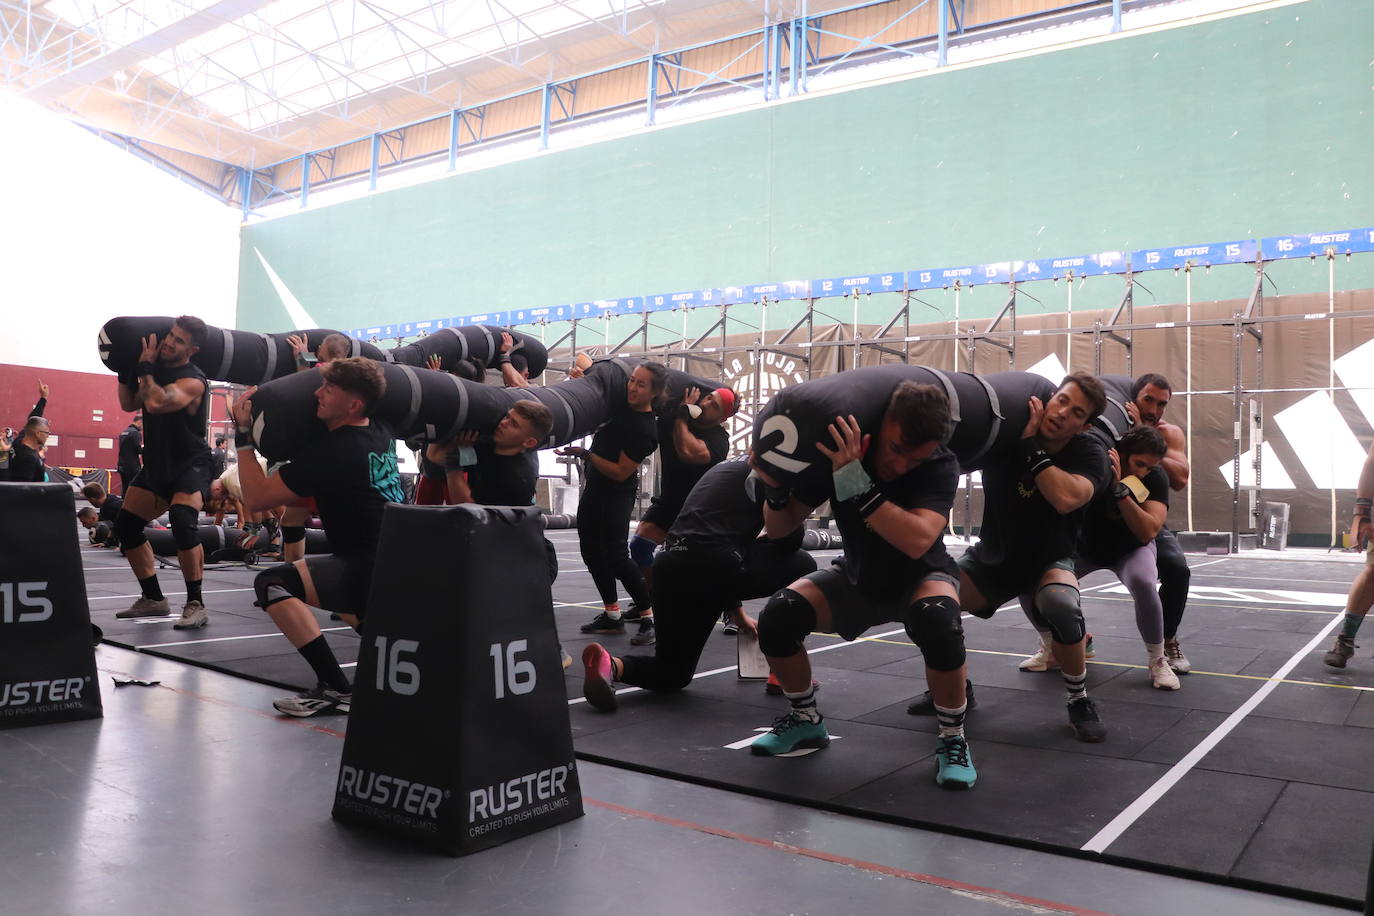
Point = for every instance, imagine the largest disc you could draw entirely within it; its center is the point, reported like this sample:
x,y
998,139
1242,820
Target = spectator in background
x,y
26,464
219,458
130,460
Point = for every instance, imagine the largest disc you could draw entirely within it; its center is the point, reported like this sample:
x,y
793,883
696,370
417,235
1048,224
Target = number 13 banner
x,y
459,734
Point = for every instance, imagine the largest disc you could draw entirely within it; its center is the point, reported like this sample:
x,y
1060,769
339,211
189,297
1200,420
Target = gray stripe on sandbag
x,y
271,359
355,347
462,342
414,398
993,428
1108,426
953,397
491,342
228,358
567,410
462,417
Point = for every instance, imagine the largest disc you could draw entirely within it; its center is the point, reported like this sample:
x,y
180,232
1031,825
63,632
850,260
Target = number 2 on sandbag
x,y
781,454
514,675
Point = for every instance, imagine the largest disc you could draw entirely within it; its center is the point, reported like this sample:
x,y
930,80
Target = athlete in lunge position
x,y
1150,395
1119,533
891,491
1033,507
712,559
174,396
351,473
691,439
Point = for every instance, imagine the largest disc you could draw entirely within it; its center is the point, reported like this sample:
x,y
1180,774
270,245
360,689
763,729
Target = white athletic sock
x,y
1155,650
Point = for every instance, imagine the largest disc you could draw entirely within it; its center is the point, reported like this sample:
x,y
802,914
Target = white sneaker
x,y
1042,660
1177,660
193,617
1162,677
322,701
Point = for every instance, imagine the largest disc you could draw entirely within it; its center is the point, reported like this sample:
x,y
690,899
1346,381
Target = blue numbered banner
x,y
1174,257
1317,243
776,292
868,283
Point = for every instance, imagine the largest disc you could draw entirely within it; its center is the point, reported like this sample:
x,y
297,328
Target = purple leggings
x,y
1137,571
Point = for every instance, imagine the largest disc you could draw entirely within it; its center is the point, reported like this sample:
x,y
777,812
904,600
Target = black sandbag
x,y
679,382
1114,422
990,413
212,538
250,358
433,406
241,357
478,341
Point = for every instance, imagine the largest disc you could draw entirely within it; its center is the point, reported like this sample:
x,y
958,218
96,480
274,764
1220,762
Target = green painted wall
x,y
1245,127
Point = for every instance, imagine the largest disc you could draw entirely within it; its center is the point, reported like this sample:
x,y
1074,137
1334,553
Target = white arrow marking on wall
x,y
299,316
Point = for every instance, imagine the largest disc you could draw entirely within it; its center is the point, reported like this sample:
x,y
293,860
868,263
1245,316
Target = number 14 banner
x,y
459,733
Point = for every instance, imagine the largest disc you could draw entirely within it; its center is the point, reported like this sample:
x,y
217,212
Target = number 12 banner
x,y
459,734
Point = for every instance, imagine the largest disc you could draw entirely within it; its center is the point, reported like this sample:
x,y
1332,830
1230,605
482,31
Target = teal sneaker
x,y
791,733
954,764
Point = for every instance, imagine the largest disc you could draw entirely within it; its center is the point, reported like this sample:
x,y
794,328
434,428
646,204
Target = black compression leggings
x,y
603,529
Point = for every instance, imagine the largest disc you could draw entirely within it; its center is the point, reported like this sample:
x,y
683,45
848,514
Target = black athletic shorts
x,y
1000,584
342,583
663,512
191,477
854,611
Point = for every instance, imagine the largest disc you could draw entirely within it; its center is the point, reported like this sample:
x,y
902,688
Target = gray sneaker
x,y
193,617
146,607
1341,652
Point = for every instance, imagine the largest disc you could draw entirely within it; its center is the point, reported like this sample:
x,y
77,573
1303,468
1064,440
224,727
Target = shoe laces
x,y
954,751
793,719
1172,649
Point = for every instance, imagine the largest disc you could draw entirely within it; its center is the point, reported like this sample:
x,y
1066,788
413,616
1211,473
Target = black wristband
x,y
777,498
1035,457
146,368
502,359
868,501
1121,491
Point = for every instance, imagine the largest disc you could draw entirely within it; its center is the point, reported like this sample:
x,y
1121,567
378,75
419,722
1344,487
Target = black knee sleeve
x,y
1058,607
786,621
277,584
292,534
935,626
183,520
129,529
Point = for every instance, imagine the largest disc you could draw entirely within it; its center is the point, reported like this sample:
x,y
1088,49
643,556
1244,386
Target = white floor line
x,y
196,642
1210,563
208,591
713,671
1122,822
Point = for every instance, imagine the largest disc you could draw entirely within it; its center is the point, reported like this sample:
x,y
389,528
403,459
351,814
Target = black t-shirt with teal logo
x,y
352,474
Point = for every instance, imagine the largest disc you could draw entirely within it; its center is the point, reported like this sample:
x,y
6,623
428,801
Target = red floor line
x,y
933,880
775,846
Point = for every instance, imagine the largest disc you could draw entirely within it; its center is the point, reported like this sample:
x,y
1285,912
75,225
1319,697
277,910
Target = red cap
x,y
728,400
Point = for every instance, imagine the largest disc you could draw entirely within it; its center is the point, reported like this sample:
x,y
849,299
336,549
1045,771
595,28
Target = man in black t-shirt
x,y
712,559
1119,534
175,399
130,460
603,512
351,474
25,463
1034,501
891,490
691,438
107,507
504,472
